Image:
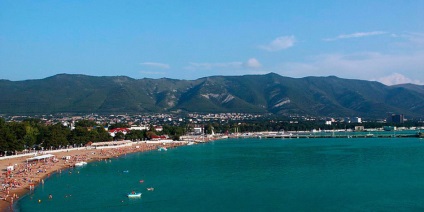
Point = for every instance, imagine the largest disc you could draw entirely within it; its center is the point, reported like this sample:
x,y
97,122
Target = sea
x,y
325,174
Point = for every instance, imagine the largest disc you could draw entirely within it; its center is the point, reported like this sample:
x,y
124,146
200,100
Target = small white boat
x,y
81,163
134,195
370,135
190,143
162,149
151,189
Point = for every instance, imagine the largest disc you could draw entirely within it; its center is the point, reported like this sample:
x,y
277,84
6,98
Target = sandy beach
x,y
27,174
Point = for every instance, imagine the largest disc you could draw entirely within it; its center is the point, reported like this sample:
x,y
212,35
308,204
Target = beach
x,y
26,174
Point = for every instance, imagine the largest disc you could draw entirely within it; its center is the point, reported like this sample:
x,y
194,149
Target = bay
x,y
371,174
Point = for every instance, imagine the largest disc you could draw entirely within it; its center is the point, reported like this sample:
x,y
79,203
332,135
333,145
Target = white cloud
x,y
279,43
356,35
413,39
366,66
417,38
155,65
252,63
410,41
396,79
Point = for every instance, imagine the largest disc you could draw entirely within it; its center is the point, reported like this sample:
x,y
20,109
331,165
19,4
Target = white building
x,y
356,120
116,130
198,130
141,127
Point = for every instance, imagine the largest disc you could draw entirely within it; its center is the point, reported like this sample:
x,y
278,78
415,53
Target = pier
x,y
338,134
342,136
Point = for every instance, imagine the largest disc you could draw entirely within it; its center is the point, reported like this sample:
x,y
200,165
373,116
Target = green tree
x,y
7,138
93,136
78,136
119,136
85,123
130,136
17,131
102,134
150,134
135,135
55,136
30,137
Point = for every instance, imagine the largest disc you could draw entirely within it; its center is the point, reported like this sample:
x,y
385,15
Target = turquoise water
x,y
248,175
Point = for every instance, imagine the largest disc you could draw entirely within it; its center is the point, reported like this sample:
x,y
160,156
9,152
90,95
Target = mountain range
x,y
270,93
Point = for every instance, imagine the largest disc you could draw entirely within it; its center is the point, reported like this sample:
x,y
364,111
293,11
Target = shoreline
x,y
26,175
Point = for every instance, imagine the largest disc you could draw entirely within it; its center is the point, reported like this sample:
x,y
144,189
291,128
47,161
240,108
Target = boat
x,y
151,189
81,163
162,149
369,135
133,194
190,143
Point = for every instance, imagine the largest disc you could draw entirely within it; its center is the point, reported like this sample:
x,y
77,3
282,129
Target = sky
x,y
378,40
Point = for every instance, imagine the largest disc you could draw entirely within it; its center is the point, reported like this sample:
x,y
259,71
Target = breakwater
x,y
333,134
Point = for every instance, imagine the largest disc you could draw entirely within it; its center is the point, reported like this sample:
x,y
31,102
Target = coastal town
x,y
78,130
197,120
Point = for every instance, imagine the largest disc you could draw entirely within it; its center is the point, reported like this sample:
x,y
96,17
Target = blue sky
x,y
379,40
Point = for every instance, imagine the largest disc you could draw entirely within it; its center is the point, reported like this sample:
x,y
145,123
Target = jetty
x,y
331,134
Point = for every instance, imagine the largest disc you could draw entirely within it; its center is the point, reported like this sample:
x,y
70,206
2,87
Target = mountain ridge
x,y
269,93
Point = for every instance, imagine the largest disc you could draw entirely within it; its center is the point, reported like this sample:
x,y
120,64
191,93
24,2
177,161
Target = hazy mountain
x,y
322,96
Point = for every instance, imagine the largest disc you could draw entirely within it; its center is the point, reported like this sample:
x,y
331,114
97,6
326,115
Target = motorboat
x,y
133,194
81,163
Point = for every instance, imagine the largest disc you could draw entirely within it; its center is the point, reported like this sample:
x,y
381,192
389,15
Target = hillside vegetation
x,y
270,93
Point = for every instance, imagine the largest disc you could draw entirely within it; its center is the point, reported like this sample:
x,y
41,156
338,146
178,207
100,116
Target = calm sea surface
x,y
247,175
